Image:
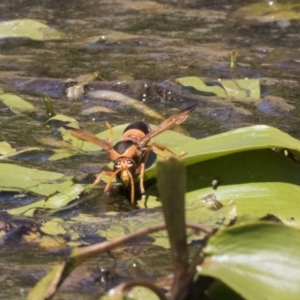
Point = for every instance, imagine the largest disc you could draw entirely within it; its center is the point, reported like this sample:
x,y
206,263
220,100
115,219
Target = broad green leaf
x,y
259,199
238,140
26,28
258,260
15,101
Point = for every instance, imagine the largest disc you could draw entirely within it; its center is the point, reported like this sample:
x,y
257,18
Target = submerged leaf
x,y
15,101
97,109
27,28
126,100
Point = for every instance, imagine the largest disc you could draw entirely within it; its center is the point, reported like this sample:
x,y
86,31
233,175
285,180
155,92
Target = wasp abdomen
x,y
138,125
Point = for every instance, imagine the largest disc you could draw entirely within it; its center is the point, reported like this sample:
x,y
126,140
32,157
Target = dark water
x,y
156,41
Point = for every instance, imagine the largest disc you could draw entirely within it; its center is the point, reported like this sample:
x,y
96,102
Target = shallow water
x,y
156,41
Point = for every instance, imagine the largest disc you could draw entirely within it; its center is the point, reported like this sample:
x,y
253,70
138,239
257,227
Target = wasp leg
x,y
103,173
132,187
141,168
110,131
112,175
165,148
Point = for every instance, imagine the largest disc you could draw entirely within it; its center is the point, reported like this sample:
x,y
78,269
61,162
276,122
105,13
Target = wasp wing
x,y
86,136
175,119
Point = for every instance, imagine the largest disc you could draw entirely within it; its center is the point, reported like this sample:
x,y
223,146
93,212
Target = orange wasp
x,y
130,154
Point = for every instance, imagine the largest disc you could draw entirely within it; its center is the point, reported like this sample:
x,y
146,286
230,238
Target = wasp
x,y
131,153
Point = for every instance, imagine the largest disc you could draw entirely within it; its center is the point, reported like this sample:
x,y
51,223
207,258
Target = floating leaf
x,y
199,85
62,189
27,28
256,260
238,89
242,88
252,177
24,179
258,198
64,118
7,151
63,194
15,101
5,148
238,140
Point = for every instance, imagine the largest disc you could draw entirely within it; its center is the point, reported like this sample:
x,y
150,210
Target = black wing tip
x,y
67,127
191,107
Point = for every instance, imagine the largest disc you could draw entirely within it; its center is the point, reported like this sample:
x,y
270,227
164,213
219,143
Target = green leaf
x,y
62,189
63,195
258,261
258,199
27,28
199,85
63,118
238,89
15,101
238,140
5,148
7,151
242,88
252,177
25,179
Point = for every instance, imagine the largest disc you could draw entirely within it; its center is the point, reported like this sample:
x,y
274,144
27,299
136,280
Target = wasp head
x,y
125,168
